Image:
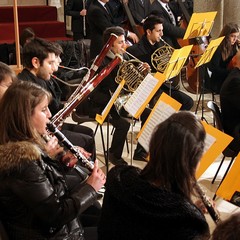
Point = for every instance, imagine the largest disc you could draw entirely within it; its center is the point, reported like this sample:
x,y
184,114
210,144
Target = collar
x,y
163,4
102,3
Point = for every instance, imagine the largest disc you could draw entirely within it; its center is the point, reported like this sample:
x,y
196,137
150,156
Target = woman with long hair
x,y
220,62
36,198
155,203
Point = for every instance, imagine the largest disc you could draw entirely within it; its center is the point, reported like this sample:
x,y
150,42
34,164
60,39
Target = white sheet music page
x,y
139,97
209,141
161,112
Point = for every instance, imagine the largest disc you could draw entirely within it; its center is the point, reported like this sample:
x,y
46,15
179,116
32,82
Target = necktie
x,y
170,15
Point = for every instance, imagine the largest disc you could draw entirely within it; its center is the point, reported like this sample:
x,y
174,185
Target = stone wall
x,y
227,11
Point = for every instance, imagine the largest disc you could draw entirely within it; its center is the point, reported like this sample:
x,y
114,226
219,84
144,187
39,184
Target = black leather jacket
x,y
35,200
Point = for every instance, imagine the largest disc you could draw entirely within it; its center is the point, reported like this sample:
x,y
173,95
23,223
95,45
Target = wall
x,y
227,11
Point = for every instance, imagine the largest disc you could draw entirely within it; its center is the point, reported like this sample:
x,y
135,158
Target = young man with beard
x,y
143,50
39,59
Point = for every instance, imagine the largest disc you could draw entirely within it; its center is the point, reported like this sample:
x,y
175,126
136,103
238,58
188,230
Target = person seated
x,y
37,200
7,77
39,58
102,94
220,63
228,229
229,101
143,50
155,203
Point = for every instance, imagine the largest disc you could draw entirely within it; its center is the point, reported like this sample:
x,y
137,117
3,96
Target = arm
x,y
47,201
70,11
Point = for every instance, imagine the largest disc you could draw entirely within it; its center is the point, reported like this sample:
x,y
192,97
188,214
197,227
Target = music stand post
x,y
200,25
205,58
176,63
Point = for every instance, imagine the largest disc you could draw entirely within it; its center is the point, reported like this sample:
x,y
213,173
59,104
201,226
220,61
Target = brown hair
x,y
226,47
17,106
5,70
228,229
175,150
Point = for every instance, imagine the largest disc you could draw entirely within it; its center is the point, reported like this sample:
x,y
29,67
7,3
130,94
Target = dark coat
x,y
51,86
73,8
138,10
35,201
170,32
219,69
134,209
99,19
143,51
229,99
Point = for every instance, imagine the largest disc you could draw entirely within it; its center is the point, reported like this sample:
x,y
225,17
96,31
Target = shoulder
x,y
15,154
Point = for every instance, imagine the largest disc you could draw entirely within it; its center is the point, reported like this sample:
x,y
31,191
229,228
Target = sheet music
x,y
140,96
114,96
209,141
161,112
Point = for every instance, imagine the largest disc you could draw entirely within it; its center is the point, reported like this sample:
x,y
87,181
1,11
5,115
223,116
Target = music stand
x,y
100,118
205,58
176,63
200,25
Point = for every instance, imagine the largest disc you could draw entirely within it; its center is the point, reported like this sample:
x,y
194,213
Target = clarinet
x,y
212,212
60,136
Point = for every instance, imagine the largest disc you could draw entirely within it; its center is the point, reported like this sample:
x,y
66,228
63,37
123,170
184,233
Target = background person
x,y
223,56
7,76
155,203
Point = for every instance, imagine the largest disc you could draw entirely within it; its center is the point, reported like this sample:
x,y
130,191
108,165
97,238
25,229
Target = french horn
x,y
133,72
161,57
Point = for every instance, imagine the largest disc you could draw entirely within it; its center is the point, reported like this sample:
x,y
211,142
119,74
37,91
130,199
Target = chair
x,y
227,151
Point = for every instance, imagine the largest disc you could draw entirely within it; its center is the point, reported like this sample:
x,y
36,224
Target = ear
x,y
35,62
148,31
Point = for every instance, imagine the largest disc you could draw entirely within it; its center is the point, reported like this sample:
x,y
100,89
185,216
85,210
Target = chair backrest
x,y
217,114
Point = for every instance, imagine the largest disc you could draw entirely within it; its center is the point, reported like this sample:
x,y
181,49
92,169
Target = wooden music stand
x,y
200,25
176,63
205,58
101,118
141,97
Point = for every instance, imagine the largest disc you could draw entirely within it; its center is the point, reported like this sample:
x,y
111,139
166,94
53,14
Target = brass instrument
x,y
212,212
133,72
160,58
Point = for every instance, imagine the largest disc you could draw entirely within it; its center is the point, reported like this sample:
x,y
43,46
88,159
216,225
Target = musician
x,y
140,9
101,96
229,100
77,9
7,77
143,50
100,17
222,56
39,58
155,203
170,13
36,201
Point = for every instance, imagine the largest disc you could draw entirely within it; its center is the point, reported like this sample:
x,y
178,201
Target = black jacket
x,y
170,32
99,19
219,69
134,209
35,201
